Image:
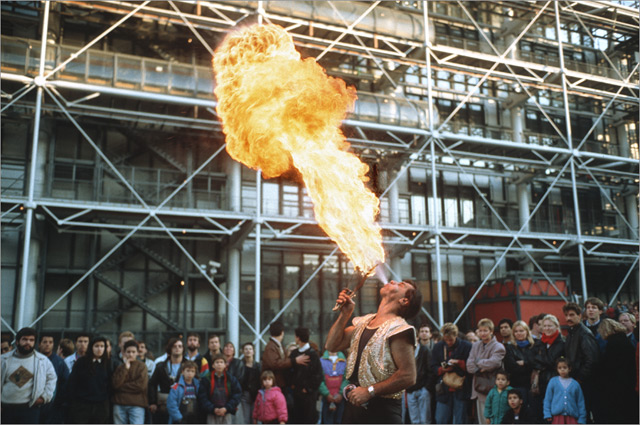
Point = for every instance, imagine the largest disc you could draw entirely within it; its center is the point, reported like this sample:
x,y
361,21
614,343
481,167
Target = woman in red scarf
x,y
548,349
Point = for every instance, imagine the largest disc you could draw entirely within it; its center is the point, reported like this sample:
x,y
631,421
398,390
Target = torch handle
x,y
351,294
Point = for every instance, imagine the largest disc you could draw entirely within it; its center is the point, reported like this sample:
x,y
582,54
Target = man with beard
x,y
52,413
28,380
193,353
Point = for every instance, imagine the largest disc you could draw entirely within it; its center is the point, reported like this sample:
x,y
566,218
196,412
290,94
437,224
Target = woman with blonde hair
x,y
519,358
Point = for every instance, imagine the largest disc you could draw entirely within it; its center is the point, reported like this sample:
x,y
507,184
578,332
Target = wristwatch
x,y
371,391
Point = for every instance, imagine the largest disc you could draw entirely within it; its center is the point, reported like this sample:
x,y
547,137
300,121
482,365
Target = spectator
x,y
334,366
620,401
193,353
118,359
628,320
213,348
547,350
6,343
504,326
82,344
233,364
28,380
65,349
518,412
497,403
594,309
182,403
146,358
249,378
306,380
219,395
519,359
90,385
417,395
165,375
450,355
130,381
471,336
436,336
424,337
485,358
273,357
563,400
534,327
52,413
270,406
582,353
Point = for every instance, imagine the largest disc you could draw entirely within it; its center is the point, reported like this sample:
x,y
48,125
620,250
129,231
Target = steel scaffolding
x,y
480,120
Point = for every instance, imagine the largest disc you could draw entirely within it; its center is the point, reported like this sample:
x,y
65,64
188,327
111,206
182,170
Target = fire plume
x,y
281,112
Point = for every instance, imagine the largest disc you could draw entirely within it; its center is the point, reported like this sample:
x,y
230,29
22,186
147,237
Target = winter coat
x,y
175,399
62,372
161,379
545,360
130,385
306,377
564,401
423,369
620,401
333,374
275,360
89,381
44,376
233,390
602,343
249,378
497,404
485,356
582,351
270,404
459,351
520,375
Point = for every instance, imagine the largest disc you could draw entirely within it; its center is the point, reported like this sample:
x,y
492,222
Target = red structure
x,y
518,297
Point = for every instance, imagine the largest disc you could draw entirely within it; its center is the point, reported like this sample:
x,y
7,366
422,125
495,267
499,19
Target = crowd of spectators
x,y
515,372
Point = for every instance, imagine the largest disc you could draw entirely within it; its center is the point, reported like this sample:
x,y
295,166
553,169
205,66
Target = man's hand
x,y
487,421
153,408
220,411
127,362
39,401
520,362
346,302
302,359
359,396
337,398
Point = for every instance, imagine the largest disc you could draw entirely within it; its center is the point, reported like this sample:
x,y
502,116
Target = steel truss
x,y
430,144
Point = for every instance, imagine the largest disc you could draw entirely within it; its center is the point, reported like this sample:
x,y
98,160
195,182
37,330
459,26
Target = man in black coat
x,y
305,380
583,354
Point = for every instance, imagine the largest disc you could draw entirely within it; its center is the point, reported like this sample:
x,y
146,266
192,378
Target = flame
x,y
280,112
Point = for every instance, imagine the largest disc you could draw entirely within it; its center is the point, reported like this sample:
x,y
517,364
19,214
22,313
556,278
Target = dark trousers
x,y
51,413
20,414
85,412
304,408
378,411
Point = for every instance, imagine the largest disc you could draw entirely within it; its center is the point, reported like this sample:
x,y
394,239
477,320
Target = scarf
x,y
549,339
524,343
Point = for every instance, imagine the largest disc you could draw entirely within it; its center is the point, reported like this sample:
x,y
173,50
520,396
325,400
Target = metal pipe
x,y
258,255
633,266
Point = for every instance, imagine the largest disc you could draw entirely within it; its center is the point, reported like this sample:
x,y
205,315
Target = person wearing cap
x,y
28,380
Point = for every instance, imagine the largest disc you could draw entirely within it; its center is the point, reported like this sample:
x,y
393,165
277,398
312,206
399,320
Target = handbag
x,y
535,382
452,379
483,382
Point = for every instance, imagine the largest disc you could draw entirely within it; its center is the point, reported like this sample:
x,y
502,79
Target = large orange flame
x,y
280,112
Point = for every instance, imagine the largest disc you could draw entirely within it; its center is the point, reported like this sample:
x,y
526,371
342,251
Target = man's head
x,y
214,343
504,326
130,350
193,341
449,334
514,398
302,336
82,343
609,327
65,348
123,338
572,313
174,347
248,350
26,340
541,317
407,296
5,347
229,350
219,363
627,320
593,308
276,330
424,334
189,370
46,344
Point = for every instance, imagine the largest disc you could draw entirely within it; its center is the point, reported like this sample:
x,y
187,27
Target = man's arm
x,y
404,377
339,336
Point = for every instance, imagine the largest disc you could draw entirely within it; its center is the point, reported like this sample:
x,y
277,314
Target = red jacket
x,y
270,404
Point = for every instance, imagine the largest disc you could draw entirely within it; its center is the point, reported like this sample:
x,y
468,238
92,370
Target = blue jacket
x,y
497,404
333,371
459,351
565,402
175,398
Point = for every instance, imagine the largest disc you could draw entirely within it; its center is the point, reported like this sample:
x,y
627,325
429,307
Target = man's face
x,y
46,345
177,349
6,347
593,312
395,289
193,343
514,401
248,351
82,344
131,353
505,330
572,318
98,349
26,344
449,340
219,365
424,334
142,349
626,322
214,344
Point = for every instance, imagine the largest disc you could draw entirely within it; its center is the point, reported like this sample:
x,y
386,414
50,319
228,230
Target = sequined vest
x,y
376,364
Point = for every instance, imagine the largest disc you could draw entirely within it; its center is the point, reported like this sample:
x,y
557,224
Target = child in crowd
x,y
563,401
182,401
219,394
517,413
270,406
497,401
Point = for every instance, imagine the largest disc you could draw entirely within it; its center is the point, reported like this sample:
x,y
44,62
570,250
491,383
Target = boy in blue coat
x,y
182,401
220,393
497,403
